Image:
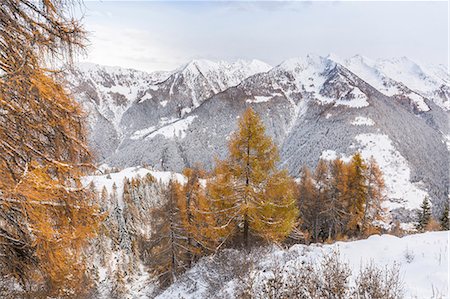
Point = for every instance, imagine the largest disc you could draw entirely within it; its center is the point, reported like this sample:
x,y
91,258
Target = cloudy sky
x,y
151,35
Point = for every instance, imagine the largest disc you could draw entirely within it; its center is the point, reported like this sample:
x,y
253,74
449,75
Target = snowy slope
x,y
402,77
107,180
423,261
124,102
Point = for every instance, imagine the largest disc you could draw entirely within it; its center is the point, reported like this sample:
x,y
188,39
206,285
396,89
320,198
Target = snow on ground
x,y
259,99
363,121
447,141
395,168
146,97
262,99
368,70
357,99
422,258
107,180
174,129
329,155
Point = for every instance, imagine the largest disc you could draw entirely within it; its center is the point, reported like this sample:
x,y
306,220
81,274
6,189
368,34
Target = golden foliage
x,y
197,216
247,193
46,216
341,199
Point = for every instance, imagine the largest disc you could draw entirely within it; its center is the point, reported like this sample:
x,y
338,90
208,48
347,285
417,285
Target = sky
x,y
156,35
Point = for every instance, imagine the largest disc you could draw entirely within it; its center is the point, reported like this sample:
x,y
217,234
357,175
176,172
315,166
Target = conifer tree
x,y
322,181
168,248
375,195
423,215
308,204
337,215
357,193
103,197
247,192
197,218
46,216
444,219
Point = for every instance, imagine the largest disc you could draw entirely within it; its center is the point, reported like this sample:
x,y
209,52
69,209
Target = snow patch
x,y
363,121
163,103
175,129
259,99
146,97
141,133
355,99
329,155
419,101
397,174
107,180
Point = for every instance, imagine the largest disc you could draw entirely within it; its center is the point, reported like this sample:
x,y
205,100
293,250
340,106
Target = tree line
x,y
246,200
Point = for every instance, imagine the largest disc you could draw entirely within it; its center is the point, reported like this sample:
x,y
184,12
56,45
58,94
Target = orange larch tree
x,y
247,192
46,215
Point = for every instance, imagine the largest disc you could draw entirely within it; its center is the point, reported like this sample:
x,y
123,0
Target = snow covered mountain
x,y
120,101
313,107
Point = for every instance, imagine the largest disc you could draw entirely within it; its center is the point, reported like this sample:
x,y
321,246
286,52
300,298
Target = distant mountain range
x,y
313,107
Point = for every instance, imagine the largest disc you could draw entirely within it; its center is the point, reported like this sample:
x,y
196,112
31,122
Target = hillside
x,y
422,260
313,107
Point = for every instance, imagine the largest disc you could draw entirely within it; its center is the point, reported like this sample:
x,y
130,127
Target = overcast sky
x,y
151,35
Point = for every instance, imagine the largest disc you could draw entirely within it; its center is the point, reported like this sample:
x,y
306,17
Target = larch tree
x,y
197,217
322,182
307,202
248,193
336,213
167,249
357,193
311,201
373,210
46,215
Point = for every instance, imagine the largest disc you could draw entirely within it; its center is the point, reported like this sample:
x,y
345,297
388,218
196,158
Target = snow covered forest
x,y
319,177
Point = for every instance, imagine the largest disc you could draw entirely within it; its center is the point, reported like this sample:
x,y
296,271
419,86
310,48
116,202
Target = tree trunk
x,y
246,231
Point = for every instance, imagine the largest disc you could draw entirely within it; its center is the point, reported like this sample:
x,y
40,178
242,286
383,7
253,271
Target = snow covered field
x,y
422,258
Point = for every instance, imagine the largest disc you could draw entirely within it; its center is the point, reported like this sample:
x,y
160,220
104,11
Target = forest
x,y
52,226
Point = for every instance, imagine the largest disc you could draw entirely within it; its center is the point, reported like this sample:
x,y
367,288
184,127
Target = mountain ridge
x,y
308,104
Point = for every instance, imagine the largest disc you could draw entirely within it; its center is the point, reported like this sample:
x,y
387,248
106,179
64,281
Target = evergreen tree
x,y
444,219
247,192
423,215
